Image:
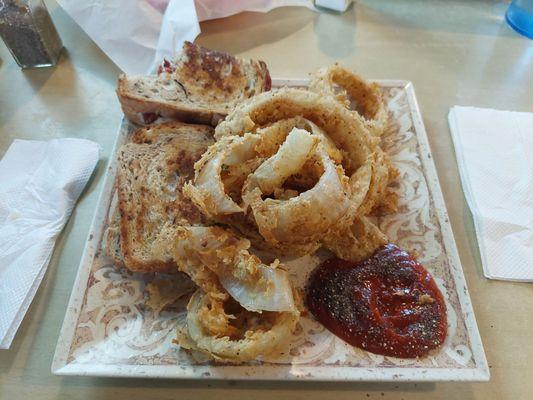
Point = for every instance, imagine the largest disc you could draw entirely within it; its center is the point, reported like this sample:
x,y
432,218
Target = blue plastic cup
x,y
520,17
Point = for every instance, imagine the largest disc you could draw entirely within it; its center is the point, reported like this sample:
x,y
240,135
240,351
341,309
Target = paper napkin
x,y
136,35
495,156
40,183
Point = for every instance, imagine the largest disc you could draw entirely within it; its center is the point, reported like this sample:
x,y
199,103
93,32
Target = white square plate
x,y
108,330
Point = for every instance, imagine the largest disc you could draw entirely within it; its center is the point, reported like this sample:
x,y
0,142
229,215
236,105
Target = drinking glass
x,y
520,16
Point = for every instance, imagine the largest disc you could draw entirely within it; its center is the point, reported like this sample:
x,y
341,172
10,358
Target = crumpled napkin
x,y
136,35
41,182
495,156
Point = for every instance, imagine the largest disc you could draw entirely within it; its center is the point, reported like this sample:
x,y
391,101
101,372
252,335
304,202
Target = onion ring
x,y
367,97
289,159
238,337
220,263
380,177
208,191
373,113
274,134
304,219
348,133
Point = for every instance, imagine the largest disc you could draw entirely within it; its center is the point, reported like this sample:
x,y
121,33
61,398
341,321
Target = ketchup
x,y
388,304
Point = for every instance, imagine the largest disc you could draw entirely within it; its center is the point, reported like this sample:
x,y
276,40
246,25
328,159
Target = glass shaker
x,y
29,33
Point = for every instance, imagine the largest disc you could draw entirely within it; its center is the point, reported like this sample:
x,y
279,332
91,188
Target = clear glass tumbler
x,y
520,16
29,33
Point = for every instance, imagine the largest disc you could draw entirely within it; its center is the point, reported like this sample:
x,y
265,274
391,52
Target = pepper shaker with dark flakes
x,y
29,33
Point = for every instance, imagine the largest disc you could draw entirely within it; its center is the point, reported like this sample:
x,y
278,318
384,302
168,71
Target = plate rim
x,y
280,372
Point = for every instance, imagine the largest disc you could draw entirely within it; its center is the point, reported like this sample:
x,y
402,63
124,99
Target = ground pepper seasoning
x,y
29,33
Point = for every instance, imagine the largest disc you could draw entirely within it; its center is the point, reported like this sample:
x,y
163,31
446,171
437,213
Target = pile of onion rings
x,y
291,171
243,308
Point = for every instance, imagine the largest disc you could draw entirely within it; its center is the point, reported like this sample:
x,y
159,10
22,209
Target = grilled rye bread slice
x,y
150,176
202,86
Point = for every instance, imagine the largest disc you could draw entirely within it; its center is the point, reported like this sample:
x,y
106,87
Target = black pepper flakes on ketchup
x,y
388,304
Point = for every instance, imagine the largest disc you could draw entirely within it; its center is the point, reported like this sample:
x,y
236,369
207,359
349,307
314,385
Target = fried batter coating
x,y
229,333
349,88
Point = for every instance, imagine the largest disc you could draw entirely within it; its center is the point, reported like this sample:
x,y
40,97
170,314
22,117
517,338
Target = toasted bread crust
x,y
112,240
202,86
151,172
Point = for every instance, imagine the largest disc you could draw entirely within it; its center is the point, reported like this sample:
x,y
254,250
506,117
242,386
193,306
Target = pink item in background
x,y
212,9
